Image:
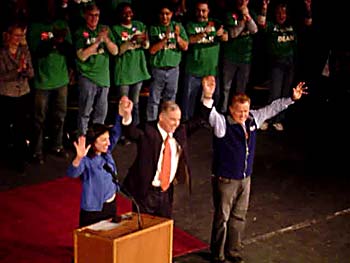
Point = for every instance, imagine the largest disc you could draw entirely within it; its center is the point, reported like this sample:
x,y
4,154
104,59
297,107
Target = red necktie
x,y
164,175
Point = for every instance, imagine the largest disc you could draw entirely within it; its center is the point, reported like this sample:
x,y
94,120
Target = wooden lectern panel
x,y
126,243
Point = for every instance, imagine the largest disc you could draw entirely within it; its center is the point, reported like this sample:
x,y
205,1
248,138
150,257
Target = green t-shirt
x,y
50,66
170,55
281,41
239,49
96,67
202,58
131,66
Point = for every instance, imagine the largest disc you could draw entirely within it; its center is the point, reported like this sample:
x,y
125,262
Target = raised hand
x,y
299,90
81,148
308,4
308,16
245,11
125,107
265,4
208,85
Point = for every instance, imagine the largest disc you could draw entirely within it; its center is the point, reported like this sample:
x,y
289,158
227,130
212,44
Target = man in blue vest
x,y
233,154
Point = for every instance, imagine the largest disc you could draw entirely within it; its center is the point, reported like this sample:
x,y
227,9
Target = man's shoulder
x,y
180,131
150,128
149,125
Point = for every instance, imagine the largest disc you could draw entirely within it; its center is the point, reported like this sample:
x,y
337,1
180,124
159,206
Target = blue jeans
x,y
55,102
163,86
93,101
240,73
192,90
282,75
133,93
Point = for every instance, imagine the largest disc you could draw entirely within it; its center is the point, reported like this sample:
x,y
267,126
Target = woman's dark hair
x,y
93,132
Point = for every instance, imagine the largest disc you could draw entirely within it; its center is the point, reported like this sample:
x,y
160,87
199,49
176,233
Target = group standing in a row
x,y
171,55
197,56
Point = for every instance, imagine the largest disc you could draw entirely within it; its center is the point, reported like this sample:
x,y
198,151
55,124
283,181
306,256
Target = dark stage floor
x,y
300,203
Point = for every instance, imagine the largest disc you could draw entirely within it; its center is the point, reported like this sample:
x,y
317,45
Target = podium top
x,y
126,226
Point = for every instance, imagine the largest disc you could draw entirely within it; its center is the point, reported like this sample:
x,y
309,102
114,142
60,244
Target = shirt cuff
x,y
208,102
126,122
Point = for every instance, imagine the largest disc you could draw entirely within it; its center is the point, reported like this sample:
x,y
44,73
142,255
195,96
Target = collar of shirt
x,y
175,154
163,133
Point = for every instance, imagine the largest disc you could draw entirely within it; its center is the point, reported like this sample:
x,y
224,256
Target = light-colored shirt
x,y
175,154
218,121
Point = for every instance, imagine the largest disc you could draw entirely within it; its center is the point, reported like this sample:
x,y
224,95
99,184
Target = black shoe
x,y
60,153
235,259
38,158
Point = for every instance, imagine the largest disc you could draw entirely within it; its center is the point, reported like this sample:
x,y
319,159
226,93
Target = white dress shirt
x,y
175,153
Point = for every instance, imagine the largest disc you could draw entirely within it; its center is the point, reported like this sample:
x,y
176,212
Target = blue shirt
x,y
97,183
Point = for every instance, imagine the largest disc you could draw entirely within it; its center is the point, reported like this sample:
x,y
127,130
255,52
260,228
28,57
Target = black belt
x,y
166,68
157,189
226,179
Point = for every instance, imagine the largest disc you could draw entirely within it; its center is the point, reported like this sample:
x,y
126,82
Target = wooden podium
x,y
125,242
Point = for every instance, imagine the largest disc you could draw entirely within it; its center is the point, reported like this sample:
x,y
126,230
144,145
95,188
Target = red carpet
x,y
37,223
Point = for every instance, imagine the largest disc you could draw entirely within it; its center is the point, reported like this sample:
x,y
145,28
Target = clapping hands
x,y
139,37
103,34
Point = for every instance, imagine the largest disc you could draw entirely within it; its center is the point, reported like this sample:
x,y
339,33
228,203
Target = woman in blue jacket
x,y
95,166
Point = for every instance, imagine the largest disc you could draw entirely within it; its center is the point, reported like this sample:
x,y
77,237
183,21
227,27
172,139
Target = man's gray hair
x,y
169,106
